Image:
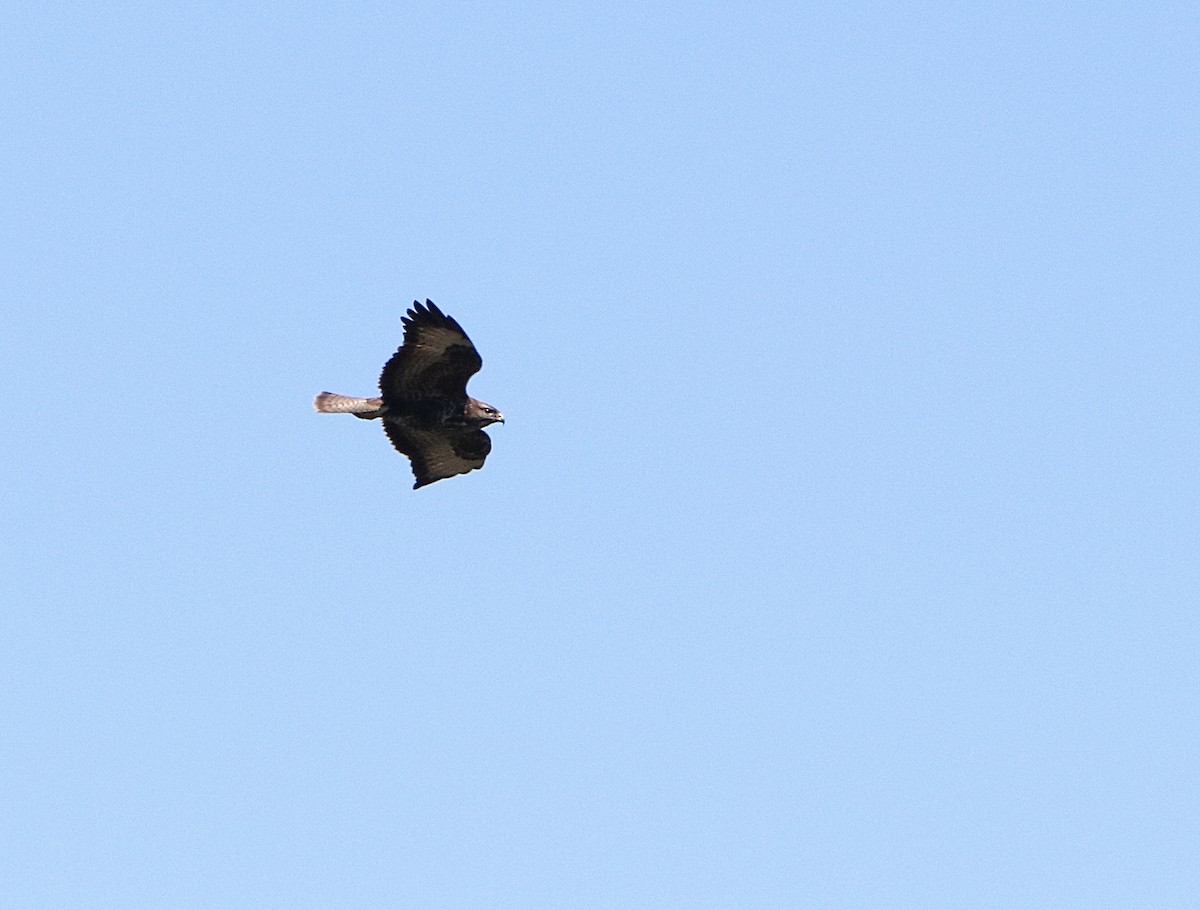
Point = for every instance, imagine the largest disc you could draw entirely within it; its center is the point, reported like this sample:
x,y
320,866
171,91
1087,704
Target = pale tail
x,y
329,403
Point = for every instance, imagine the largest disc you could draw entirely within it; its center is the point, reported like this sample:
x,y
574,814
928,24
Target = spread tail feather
x,y
330,403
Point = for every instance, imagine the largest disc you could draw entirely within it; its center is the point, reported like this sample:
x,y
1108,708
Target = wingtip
x,y
427,310
420,310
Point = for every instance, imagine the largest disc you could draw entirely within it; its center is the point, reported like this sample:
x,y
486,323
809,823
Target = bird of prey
x,y
426,411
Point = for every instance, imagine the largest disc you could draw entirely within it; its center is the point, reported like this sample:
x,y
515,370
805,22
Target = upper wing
x,y
438,454
436,359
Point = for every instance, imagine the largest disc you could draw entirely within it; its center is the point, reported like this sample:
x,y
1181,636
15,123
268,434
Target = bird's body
x,y
426,411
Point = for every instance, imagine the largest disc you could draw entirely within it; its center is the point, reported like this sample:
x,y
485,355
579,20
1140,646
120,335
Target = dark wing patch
x,y
440,453
435,361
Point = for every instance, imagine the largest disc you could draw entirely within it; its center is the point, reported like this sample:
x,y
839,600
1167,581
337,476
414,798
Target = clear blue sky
x,y
840,550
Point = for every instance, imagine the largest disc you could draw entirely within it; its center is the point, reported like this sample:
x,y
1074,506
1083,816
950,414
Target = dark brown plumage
x,y
427,413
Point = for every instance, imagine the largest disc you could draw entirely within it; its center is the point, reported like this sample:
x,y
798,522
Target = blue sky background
x,y
840,549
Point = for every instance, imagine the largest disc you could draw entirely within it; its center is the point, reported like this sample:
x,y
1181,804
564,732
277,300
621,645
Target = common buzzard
x,y
426,411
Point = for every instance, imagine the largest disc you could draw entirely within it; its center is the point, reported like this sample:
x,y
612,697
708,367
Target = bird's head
x,y
481,414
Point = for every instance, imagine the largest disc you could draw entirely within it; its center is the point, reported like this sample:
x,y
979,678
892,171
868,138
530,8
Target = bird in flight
x,y
426,411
